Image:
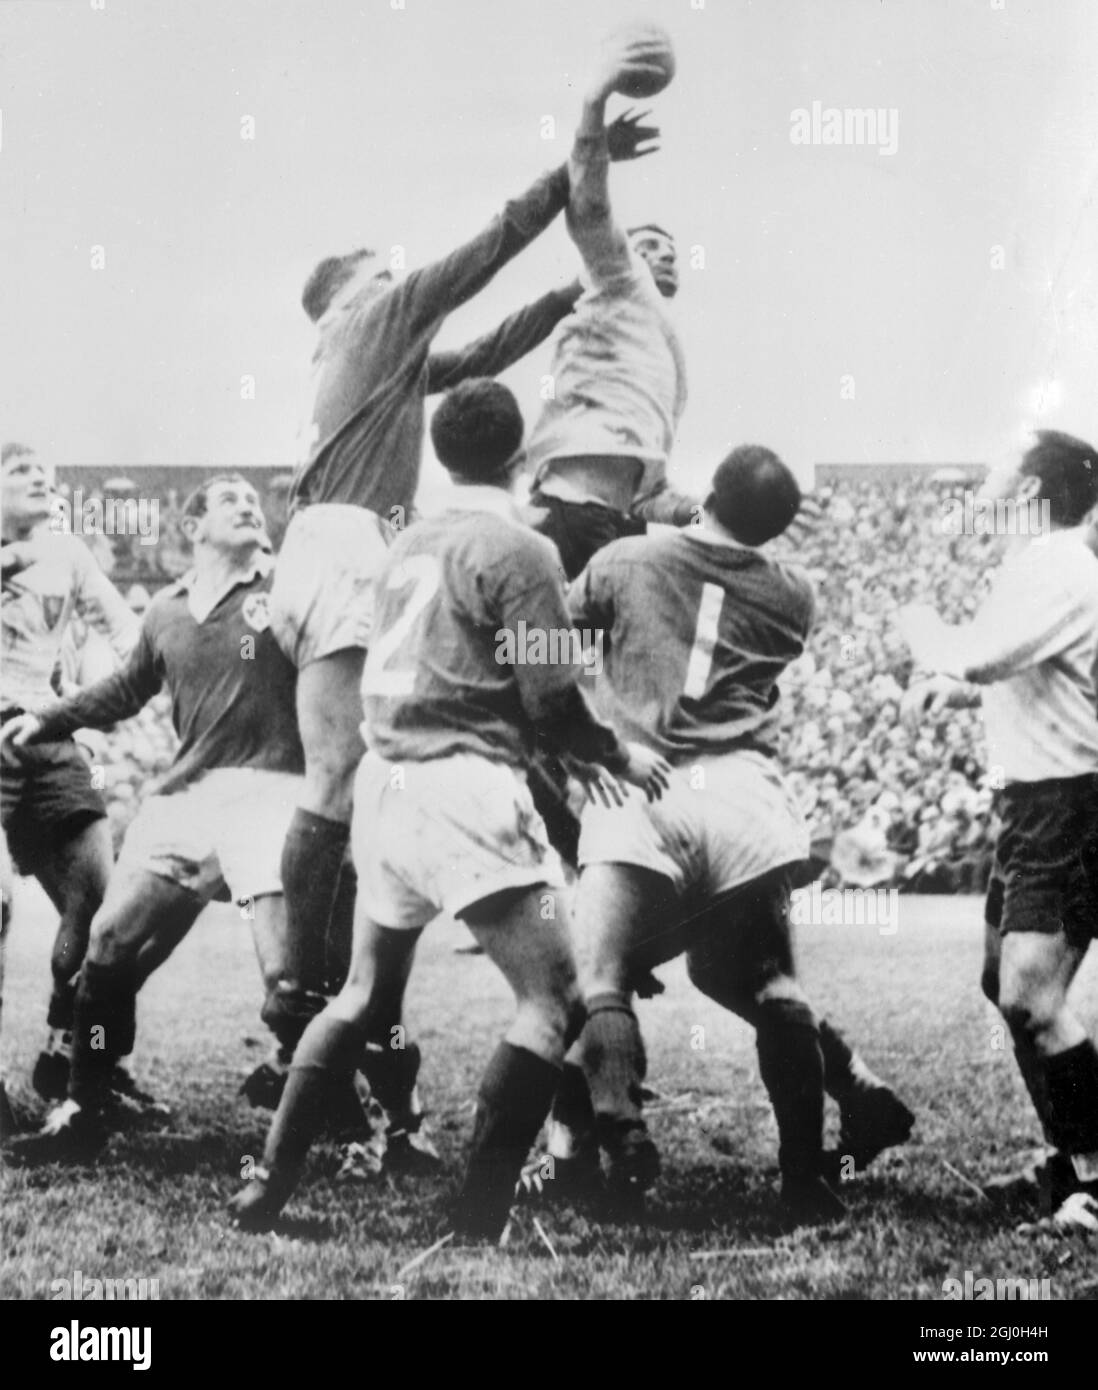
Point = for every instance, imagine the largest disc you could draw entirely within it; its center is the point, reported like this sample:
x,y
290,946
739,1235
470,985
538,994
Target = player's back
x,y
698,632
438,677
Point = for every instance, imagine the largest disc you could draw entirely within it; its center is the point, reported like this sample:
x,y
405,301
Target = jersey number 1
x,y
700,665
378,677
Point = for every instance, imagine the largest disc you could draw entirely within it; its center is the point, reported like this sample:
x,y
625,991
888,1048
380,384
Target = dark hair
x,y
477,429
1068,470
755,496
198,501
327,279
650,227
14,451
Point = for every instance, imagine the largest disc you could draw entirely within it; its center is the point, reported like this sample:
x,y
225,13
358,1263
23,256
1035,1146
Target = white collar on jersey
x,y
478,497
260,568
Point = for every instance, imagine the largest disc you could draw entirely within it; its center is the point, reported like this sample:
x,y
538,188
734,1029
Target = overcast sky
x,y
121,129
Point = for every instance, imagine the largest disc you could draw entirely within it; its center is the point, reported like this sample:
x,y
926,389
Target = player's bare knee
x,y
541,1026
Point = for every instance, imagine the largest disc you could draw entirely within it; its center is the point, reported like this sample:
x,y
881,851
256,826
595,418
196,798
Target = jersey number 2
x,y
700,665
379,677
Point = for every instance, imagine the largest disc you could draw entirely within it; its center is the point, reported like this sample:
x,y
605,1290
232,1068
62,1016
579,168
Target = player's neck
x,y
217,569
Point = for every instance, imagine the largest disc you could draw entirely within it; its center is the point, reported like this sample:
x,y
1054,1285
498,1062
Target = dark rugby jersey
x,y
373,367
458,605
697,632
232,689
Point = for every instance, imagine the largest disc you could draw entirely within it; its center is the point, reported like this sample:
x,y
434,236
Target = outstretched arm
x,y
511,340
601,242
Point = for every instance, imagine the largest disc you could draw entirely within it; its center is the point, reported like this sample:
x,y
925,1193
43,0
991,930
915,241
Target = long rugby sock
x,y
614,1060
572,1118
312,858
61,1011
337,953
791,1063
1032,1067
844,1069
1071,1079
102,1030
324,1061
515,1094
391,1073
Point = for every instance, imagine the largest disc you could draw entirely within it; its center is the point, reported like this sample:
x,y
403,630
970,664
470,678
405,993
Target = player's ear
x,y
189,526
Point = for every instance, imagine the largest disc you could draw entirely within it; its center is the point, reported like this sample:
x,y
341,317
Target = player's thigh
x,y
626,919
329,713
140,911
533,952
75,872
1035,972
269,937
742,947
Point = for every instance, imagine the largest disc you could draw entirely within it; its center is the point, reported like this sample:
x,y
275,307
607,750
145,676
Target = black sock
x,y
102,1026
311,861
391,1072
614,1061
791,1064
1032,1067
838,1058
572,1102
337,952
61,1011
323,1064
1071,1078
515,1094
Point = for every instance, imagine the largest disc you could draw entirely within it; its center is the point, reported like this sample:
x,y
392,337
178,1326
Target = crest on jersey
x,y
257,612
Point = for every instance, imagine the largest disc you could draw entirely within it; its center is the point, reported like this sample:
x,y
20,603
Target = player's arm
x,y
1022,623
429,294
511,340
600,240
117,697
550,694
101,605
663,504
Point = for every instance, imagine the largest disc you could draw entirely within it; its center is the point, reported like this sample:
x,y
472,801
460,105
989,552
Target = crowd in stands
x,y
887,806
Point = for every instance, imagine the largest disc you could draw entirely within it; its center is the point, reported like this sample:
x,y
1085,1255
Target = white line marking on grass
x,y
545,1239
979,1191
417,1260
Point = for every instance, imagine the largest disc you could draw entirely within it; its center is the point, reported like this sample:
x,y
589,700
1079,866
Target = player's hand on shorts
x,y
16,733
648,770
928,696
625,137
598,784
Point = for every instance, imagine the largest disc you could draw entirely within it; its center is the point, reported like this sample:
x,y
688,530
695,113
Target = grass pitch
x,y
153,1208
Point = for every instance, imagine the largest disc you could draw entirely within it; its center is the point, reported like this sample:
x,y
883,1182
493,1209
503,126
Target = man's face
x,y
659,251
233,522
24,492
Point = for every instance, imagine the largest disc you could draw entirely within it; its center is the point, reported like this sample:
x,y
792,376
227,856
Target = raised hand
x,y
625,136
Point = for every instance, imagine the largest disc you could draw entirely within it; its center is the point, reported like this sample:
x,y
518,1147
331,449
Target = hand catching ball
x,y
645,59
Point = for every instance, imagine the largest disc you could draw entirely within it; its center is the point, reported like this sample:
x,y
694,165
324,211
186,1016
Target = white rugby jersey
x,y
1033,644
39,599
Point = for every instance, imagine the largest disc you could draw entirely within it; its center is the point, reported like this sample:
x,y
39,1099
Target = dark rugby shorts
x,y
46,797
1045,875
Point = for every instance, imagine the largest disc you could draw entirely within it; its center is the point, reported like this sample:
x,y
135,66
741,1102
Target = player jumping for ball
x,y
443,819
373,368
600,449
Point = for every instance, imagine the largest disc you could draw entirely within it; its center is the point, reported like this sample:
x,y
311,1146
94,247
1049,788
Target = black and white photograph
x,y
549,691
